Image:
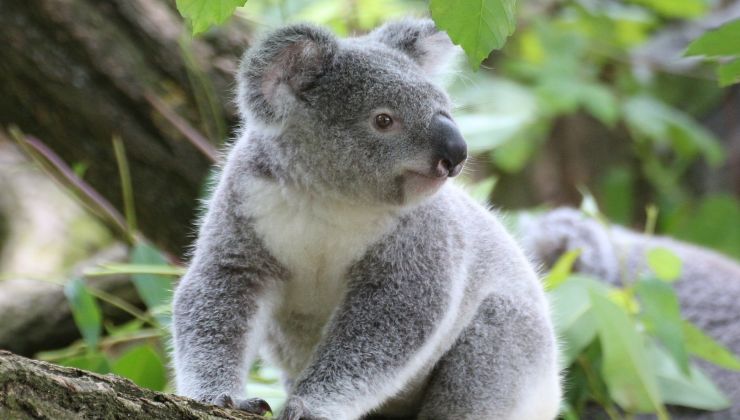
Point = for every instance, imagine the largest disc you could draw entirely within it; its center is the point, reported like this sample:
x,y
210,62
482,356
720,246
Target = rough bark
x,y
35,314
76,72
35,389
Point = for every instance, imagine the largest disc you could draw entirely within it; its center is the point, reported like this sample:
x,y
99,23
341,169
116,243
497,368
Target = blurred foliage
x,y
721,42
627,348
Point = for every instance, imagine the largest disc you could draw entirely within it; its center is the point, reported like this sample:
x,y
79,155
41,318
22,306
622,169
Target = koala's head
x,y
357,118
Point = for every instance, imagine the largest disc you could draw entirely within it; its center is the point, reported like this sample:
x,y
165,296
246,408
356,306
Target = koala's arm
x,y
215,307
392,315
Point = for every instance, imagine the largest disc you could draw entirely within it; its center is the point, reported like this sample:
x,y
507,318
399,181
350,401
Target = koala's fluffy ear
x,y
280,67
420,39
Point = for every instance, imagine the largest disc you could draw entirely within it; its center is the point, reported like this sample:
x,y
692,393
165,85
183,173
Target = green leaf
x,y
600,102
665,264
704,347
729,73
662,314
562,269
155,290
94,362
626,369
692,389
478,26
667,126
514,154
158,269
144,366
723,41
482,190
574,322
676,9
85,311
202,14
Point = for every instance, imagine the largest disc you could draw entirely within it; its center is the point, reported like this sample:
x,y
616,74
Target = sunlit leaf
x,y
574,322
664,263
600,102
689,389
704,347
664,125
562,269
478,26
729,73
514,154
155,290
85,311
94,362
482,190
158,269
626,369
143,366
662,314
676,9
202,14
723,41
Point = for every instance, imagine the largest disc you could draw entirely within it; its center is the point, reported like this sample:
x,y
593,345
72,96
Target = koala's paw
x,y
295,409
250,405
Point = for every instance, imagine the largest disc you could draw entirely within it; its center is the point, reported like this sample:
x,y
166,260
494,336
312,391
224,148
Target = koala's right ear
x,y
280,67
420,39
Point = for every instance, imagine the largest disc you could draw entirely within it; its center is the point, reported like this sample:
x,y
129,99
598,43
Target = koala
x,y
336,247
708,287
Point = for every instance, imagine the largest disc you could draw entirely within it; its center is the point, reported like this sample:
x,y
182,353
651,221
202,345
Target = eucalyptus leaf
x,y
572,314
704,347
202,14
664,263
85,311
689,389
626,369
155,290
662,314
142,365
478,26
94,362
722,41
729,73
562,269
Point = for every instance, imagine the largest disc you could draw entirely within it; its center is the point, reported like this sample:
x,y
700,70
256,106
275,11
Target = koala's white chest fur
x,y
315,240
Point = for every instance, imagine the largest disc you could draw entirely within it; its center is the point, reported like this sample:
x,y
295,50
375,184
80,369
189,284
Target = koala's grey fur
x,y
708,287
378,292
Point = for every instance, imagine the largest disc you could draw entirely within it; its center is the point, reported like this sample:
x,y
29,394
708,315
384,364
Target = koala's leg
x,y
217,316
503,366
214,314
394,315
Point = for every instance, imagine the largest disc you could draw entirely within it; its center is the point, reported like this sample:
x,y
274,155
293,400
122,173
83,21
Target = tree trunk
x,y
74,73
35,389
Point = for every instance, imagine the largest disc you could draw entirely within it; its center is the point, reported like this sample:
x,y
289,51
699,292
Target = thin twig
x,y
126,187
50,161
180,124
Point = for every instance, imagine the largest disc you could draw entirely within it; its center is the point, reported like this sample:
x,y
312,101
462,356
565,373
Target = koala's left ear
x,y
420,39
277,70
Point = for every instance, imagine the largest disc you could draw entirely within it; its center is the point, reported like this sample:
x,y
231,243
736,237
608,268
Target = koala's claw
x,y
250,405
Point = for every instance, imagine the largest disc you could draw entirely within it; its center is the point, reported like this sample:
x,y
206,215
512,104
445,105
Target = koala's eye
x,y
383,121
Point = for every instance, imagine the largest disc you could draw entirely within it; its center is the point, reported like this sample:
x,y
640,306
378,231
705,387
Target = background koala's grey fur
x,y
708,288
335,247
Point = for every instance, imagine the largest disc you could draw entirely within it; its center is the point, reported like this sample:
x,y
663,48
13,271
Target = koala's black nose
x,y
450,150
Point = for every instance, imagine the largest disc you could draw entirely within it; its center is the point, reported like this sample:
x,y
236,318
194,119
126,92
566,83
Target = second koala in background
x,y
335,245
708,287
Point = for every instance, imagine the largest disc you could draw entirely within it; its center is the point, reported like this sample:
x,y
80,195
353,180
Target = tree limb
x,y
35,389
